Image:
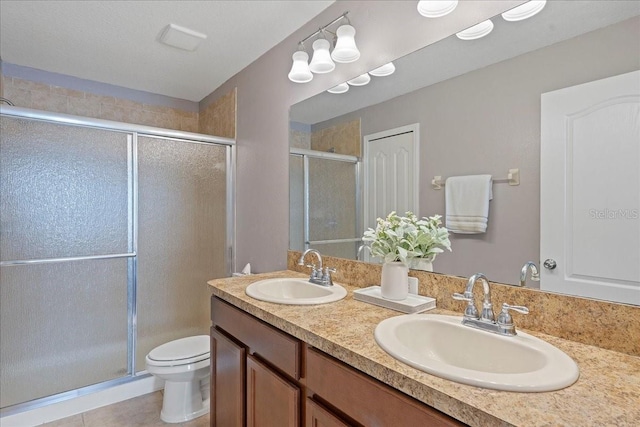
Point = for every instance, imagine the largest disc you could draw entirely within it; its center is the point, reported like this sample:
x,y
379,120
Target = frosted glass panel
x,y
332,200
62,326
181,244
64,190
296,203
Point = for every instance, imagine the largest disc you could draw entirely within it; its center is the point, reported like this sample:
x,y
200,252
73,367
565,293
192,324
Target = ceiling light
x,y
321,62
436,8
346,50
361,80
386,70
524,11
341,88
300,72
182,38
477,31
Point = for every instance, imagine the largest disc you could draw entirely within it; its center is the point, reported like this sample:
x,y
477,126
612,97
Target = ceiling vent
x,y
182,38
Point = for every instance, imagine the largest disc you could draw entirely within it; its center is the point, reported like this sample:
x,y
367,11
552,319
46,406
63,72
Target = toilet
x,y
184,366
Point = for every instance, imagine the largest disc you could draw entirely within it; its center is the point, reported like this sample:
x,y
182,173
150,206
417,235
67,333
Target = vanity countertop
x,y
607,392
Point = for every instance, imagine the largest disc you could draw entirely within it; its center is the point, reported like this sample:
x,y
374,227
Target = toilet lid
x,y
183,348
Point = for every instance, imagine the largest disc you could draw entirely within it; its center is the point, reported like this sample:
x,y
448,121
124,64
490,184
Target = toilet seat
x,y
182,351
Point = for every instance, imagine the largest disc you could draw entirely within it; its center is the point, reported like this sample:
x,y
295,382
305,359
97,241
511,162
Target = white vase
x,y
394,283
421,264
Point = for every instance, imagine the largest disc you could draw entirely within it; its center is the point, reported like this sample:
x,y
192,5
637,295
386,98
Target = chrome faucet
x,y
535,275
486,321
318,275
360,249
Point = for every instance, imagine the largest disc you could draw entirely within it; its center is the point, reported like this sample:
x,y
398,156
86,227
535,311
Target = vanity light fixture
x,y
345,51
477,31
436,8
361,80
383,71
300,72
321,62
524,11
341,88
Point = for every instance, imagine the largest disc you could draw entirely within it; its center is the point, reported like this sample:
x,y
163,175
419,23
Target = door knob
x,y
549,264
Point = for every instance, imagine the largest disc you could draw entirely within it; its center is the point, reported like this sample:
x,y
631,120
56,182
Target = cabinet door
x,y
227,381
318,416
271,400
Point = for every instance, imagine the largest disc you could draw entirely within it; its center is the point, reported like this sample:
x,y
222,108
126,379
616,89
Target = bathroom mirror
x,y
477,105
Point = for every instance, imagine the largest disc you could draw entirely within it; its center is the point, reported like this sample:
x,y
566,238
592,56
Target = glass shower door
x,y
181,238
65,249
324,203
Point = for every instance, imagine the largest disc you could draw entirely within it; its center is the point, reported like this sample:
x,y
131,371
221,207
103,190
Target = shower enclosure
x,y
324,205
109,233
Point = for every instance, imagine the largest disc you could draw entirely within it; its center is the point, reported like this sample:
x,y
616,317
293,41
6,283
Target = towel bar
x,y
513,178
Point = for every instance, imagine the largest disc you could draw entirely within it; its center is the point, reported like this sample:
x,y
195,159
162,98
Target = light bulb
x,y
436,8
300,72
361,80
346,50
477,31
386,70
341,88
524,11
321,62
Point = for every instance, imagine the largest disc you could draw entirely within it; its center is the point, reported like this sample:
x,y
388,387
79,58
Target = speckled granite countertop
x,y
606,394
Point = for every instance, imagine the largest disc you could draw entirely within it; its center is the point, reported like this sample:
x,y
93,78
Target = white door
x,y
590,189
391,173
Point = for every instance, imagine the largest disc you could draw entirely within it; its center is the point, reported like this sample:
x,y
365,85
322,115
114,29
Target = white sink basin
x,y
442,346
294,292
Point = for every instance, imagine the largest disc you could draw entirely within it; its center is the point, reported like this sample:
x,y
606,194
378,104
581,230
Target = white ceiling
x,y
115,41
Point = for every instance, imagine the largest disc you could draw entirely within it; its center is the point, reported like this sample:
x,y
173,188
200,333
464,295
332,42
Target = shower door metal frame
x,y
132,131
306,155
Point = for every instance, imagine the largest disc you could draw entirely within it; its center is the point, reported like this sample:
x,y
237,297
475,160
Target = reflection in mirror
x,y
478,107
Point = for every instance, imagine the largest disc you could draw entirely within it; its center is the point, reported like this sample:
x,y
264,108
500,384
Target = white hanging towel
x,y
467,203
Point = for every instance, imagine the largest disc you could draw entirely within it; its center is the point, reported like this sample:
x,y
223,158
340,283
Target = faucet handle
x,y
504,318
471,310
326,277
328,270
462,297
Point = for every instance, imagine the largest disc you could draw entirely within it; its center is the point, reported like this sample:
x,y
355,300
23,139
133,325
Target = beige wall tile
x,y
28,94
219,118
343,138
48,101
71,93
83,107
29,85
19,97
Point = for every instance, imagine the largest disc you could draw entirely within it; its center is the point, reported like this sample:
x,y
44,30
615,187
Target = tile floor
x,y
143,411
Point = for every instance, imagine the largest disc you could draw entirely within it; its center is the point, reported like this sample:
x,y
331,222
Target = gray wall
x,y
488,121
386,30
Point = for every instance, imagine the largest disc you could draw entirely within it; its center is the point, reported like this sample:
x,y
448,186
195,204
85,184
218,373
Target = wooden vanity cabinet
x,y
255,371
364,400
258,379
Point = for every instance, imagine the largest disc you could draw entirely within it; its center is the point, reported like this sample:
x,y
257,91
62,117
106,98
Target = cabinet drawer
x,y
276,347
364,399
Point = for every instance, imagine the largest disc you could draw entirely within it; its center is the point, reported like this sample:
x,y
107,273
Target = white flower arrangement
x,y
404,238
